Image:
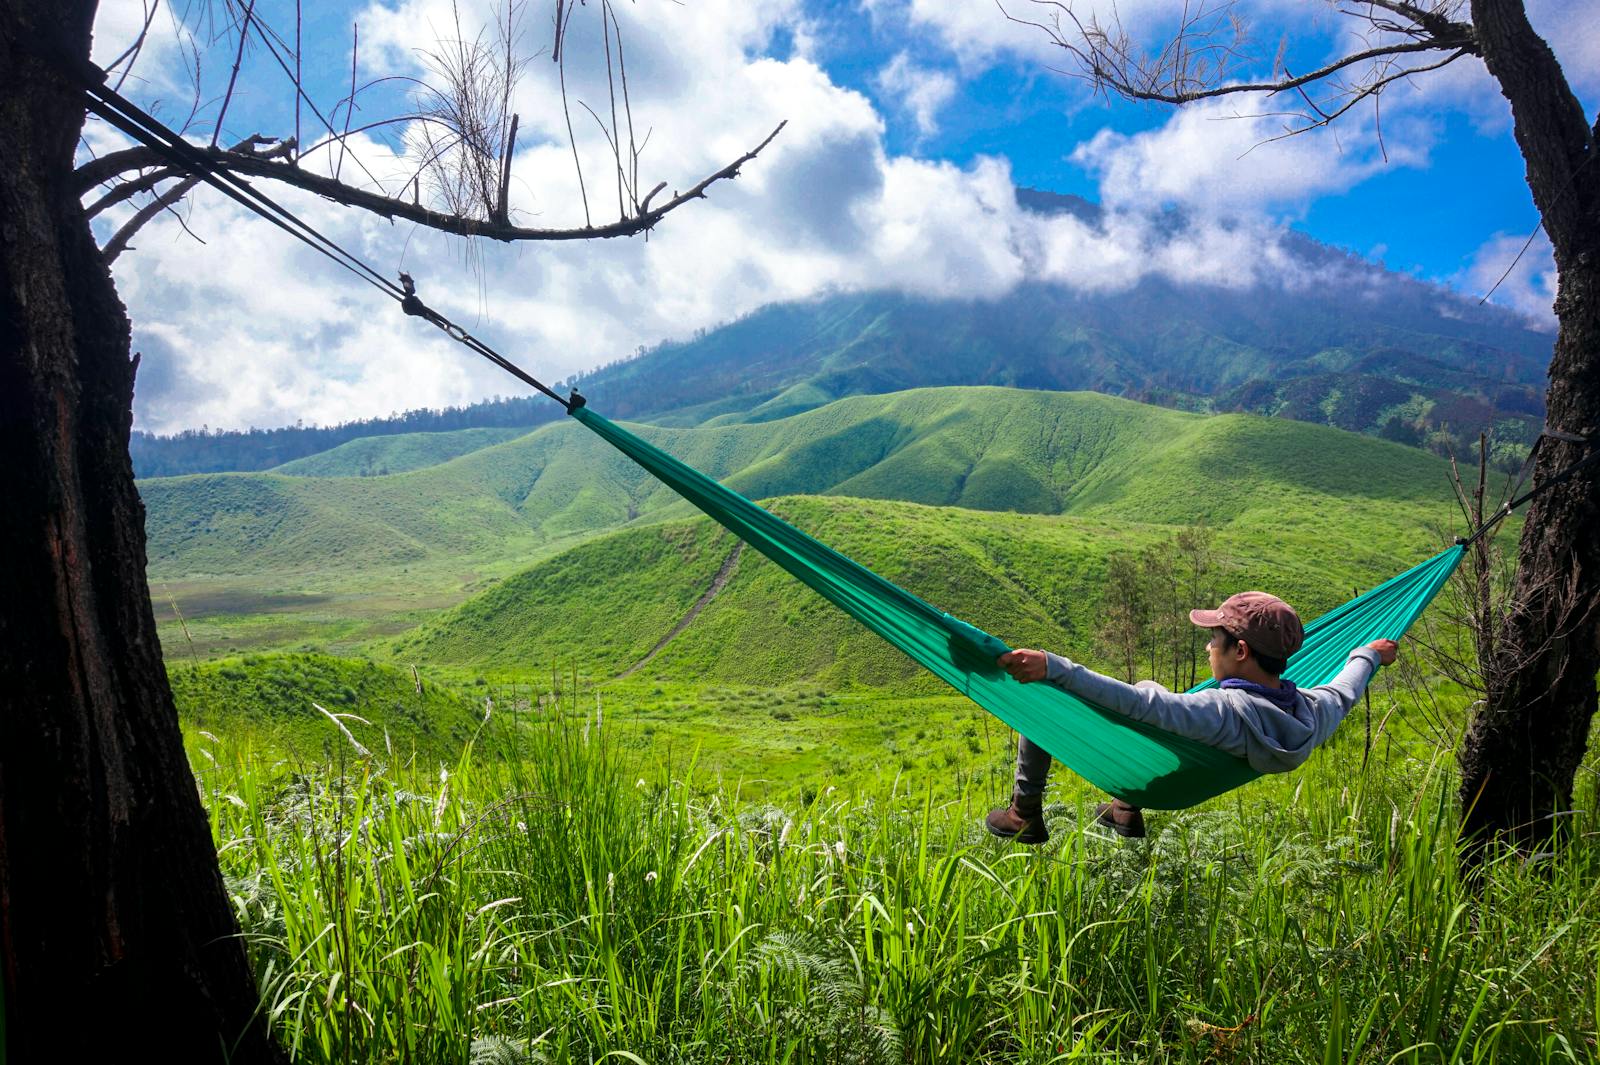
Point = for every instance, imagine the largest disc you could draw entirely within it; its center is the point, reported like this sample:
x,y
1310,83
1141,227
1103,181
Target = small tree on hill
x,y
1124,613
1523,747
115,930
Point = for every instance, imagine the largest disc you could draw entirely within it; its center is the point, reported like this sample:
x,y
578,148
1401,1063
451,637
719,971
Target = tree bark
x,y
117,939
1522,750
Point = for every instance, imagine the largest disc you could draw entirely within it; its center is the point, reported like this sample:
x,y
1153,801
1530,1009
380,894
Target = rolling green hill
x,y
272,562
605,606
374,456
985,449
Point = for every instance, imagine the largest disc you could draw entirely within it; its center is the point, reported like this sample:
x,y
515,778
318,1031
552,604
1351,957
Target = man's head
x,y
1252,632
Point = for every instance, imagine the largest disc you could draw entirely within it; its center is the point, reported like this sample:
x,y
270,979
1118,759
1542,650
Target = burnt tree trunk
x,y
1522,750
117,939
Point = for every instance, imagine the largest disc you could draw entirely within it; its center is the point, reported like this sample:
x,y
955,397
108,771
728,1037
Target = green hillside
x,y
272,562
374,456
604,606
982,448
247,523
269,698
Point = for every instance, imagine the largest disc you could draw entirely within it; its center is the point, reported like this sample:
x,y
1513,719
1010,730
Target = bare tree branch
x,y
105,167
1195,62
165,201
462,133
128,189
254,165
233,78
131,54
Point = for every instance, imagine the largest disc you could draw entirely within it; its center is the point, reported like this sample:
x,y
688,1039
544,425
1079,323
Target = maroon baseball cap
x,y
1263,621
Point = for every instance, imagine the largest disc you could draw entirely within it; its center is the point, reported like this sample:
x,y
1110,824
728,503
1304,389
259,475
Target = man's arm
x,y
1335,698
1202,716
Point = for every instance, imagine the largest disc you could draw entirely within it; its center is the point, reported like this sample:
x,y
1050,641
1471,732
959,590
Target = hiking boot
x,y
1119,817
1022,821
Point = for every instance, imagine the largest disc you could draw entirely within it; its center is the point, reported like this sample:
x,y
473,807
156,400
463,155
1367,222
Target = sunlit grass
x,y
550,896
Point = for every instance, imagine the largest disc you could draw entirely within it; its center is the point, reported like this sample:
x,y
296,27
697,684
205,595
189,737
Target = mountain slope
x,y
374,456
271,698
986,448
1183,347
604,606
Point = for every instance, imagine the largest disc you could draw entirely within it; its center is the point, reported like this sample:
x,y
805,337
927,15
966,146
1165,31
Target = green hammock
x,y
1137,763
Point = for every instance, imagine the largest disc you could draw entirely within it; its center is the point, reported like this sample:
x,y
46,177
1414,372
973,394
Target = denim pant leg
x,y
1033,766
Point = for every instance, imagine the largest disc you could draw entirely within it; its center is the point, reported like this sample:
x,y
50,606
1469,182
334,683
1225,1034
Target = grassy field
x,y
556,893
305,704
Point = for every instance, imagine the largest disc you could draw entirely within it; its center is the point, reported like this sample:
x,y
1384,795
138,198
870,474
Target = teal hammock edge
x,y
1135,762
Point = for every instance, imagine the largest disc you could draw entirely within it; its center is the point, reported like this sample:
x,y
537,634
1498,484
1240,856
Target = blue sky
x,y
909,122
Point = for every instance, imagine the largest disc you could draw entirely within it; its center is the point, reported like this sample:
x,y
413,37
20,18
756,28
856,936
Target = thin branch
x,y
108,166
627,107
165,201
1109,62
1370,89
502,212
128,189
132,53
350,104
560,58
266,33
1524,250
611,88
233,78
297,79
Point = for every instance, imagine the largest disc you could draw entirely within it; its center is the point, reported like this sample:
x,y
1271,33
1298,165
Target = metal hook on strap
x,y
413,305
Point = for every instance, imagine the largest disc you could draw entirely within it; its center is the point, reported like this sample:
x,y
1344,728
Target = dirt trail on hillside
x,y
719,582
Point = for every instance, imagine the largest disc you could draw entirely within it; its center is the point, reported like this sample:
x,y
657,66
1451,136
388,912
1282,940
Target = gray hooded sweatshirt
x,y
1250,726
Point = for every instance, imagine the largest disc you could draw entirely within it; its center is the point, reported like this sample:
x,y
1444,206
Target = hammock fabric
x,y
1141,765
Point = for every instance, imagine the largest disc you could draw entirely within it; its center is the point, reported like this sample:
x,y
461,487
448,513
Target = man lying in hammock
x,y
1253,713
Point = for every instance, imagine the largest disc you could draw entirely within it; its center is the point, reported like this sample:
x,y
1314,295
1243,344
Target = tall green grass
x,y
563,901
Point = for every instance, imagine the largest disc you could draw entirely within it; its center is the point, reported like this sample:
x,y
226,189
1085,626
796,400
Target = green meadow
x,y
512,757
555,895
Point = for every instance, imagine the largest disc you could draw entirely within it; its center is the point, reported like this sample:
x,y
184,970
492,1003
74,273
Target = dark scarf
x,y
1283,698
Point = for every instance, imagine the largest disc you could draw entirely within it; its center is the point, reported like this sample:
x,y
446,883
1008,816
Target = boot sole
x,y
1105,821
1026,836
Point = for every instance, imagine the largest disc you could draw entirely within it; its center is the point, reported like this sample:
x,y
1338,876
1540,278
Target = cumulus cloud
x,y
921,91
1223,155
1524,280
977,34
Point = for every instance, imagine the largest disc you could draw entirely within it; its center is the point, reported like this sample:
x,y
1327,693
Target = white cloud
x,y
1562,22
1224,156
921,91
976,32
158,64
251,328
980,33
1530,285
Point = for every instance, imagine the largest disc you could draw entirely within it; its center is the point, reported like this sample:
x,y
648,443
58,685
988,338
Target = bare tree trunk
x,y
116,936
1521,752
